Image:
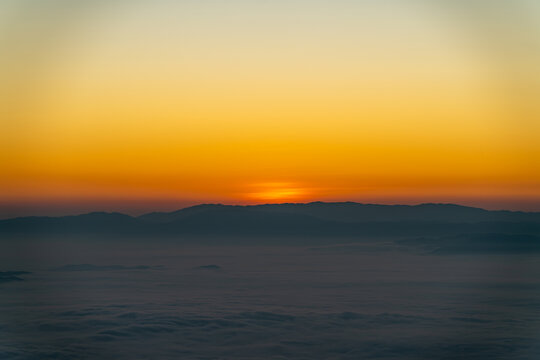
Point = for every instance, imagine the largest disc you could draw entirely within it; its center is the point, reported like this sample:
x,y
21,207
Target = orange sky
x,y
157,105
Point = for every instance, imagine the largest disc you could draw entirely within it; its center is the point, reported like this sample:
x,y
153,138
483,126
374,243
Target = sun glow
x,y
277,192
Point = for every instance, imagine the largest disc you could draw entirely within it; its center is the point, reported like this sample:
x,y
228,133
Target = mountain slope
x,y
357,212
313,219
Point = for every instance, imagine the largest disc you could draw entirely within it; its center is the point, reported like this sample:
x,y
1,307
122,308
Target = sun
x,y
276,192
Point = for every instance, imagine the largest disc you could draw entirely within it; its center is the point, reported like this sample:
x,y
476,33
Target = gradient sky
x,y
153,105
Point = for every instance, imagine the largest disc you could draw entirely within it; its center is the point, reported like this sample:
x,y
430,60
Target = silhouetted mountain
x,y
357,212
91,223
312,219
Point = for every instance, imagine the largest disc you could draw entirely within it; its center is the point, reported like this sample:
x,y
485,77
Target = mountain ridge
x,y
371,212
287,219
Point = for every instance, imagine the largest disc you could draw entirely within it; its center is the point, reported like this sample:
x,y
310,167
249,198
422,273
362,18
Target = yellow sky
x,y
167,103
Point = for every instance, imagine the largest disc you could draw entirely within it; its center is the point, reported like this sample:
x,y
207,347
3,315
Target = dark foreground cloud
x,y
209,267
107,333
483,243
8,276
91,267
298,303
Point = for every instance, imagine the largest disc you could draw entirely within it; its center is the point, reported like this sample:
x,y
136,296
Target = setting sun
x,y
277,192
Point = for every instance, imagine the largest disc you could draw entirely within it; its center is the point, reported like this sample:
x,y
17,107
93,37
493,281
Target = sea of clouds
x,y
87,300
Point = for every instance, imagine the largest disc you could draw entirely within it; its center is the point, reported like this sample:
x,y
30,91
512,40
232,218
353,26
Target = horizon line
x,y
264,204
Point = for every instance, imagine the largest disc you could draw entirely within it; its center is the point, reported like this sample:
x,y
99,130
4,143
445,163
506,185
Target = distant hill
x,y
357,212
311,219
97,221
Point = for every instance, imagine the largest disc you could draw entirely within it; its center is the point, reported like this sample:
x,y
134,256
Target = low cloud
x,y
91,267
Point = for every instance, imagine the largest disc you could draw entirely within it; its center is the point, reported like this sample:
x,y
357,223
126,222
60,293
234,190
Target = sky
x,y
139,106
